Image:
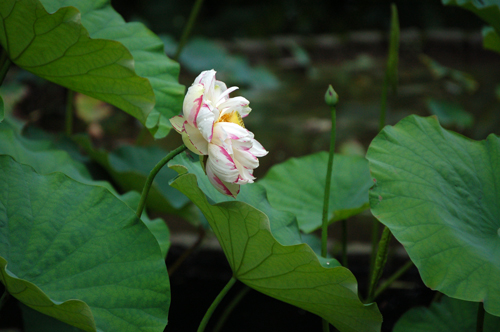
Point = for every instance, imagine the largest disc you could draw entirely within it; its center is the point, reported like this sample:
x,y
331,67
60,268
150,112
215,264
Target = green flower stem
x,y
4,65
402,270
187,252
326,200
480,317
390,78
380,261
152,174
214,304
187,29
4,298
344,243
229,309
69,111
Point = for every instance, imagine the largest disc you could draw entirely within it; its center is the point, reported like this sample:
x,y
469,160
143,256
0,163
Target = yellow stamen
x,y
233,117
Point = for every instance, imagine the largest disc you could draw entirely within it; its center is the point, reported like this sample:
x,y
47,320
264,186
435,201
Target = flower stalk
x,y
4,64
331,99
480,317
380,261
69,111
187,29
151,177
214,304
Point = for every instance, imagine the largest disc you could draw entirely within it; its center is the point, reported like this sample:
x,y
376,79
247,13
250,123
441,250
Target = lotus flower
x,y
212,126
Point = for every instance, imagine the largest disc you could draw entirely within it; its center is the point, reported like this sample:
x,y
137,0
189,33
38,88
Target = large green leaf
x,y
491,39
62,240
129,166
58,48
438,192
298,186
283,225
487,10
292,274
445,316
102,21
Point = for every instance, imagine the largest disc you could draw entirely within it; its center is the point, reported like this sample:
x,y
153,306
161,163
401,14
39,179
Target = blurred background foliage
x,y
263,18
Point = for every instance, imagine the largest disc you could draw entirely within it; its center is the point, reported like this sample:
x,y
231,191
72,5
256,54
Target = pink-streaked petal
x,y
178,123
257,149
192,103
205,122
225,95
238,104
234,131
193,139
207,79
228,189
245,174
221,163
246,159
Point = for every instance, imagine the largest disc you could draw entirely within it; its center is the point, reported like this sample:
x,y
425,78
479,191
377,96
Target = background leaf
x,y
291,274
129,167
491,39
447,315
437,191
58,48
450,114
298,185
487,10
102,21
52,239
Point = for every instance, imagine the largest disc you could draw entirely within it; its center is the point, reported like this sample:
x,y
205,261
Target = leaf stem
x,y
69,111
4,64
326,200
187,29
480,317
5,297
344,243
214,304
151,177
331,99
390,77
402,270
230,307
187,252
380,261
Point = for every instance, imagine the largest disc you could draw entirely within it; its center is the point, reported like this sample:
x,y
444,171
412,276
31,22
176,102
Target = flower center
x,y
233,117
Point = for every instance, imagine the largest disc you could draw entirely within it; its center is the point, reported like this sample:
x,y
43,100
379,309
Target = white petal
x,y
229,189
225,95
193,139
205,121
178,123
238,104
219,88
192,103
221,163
